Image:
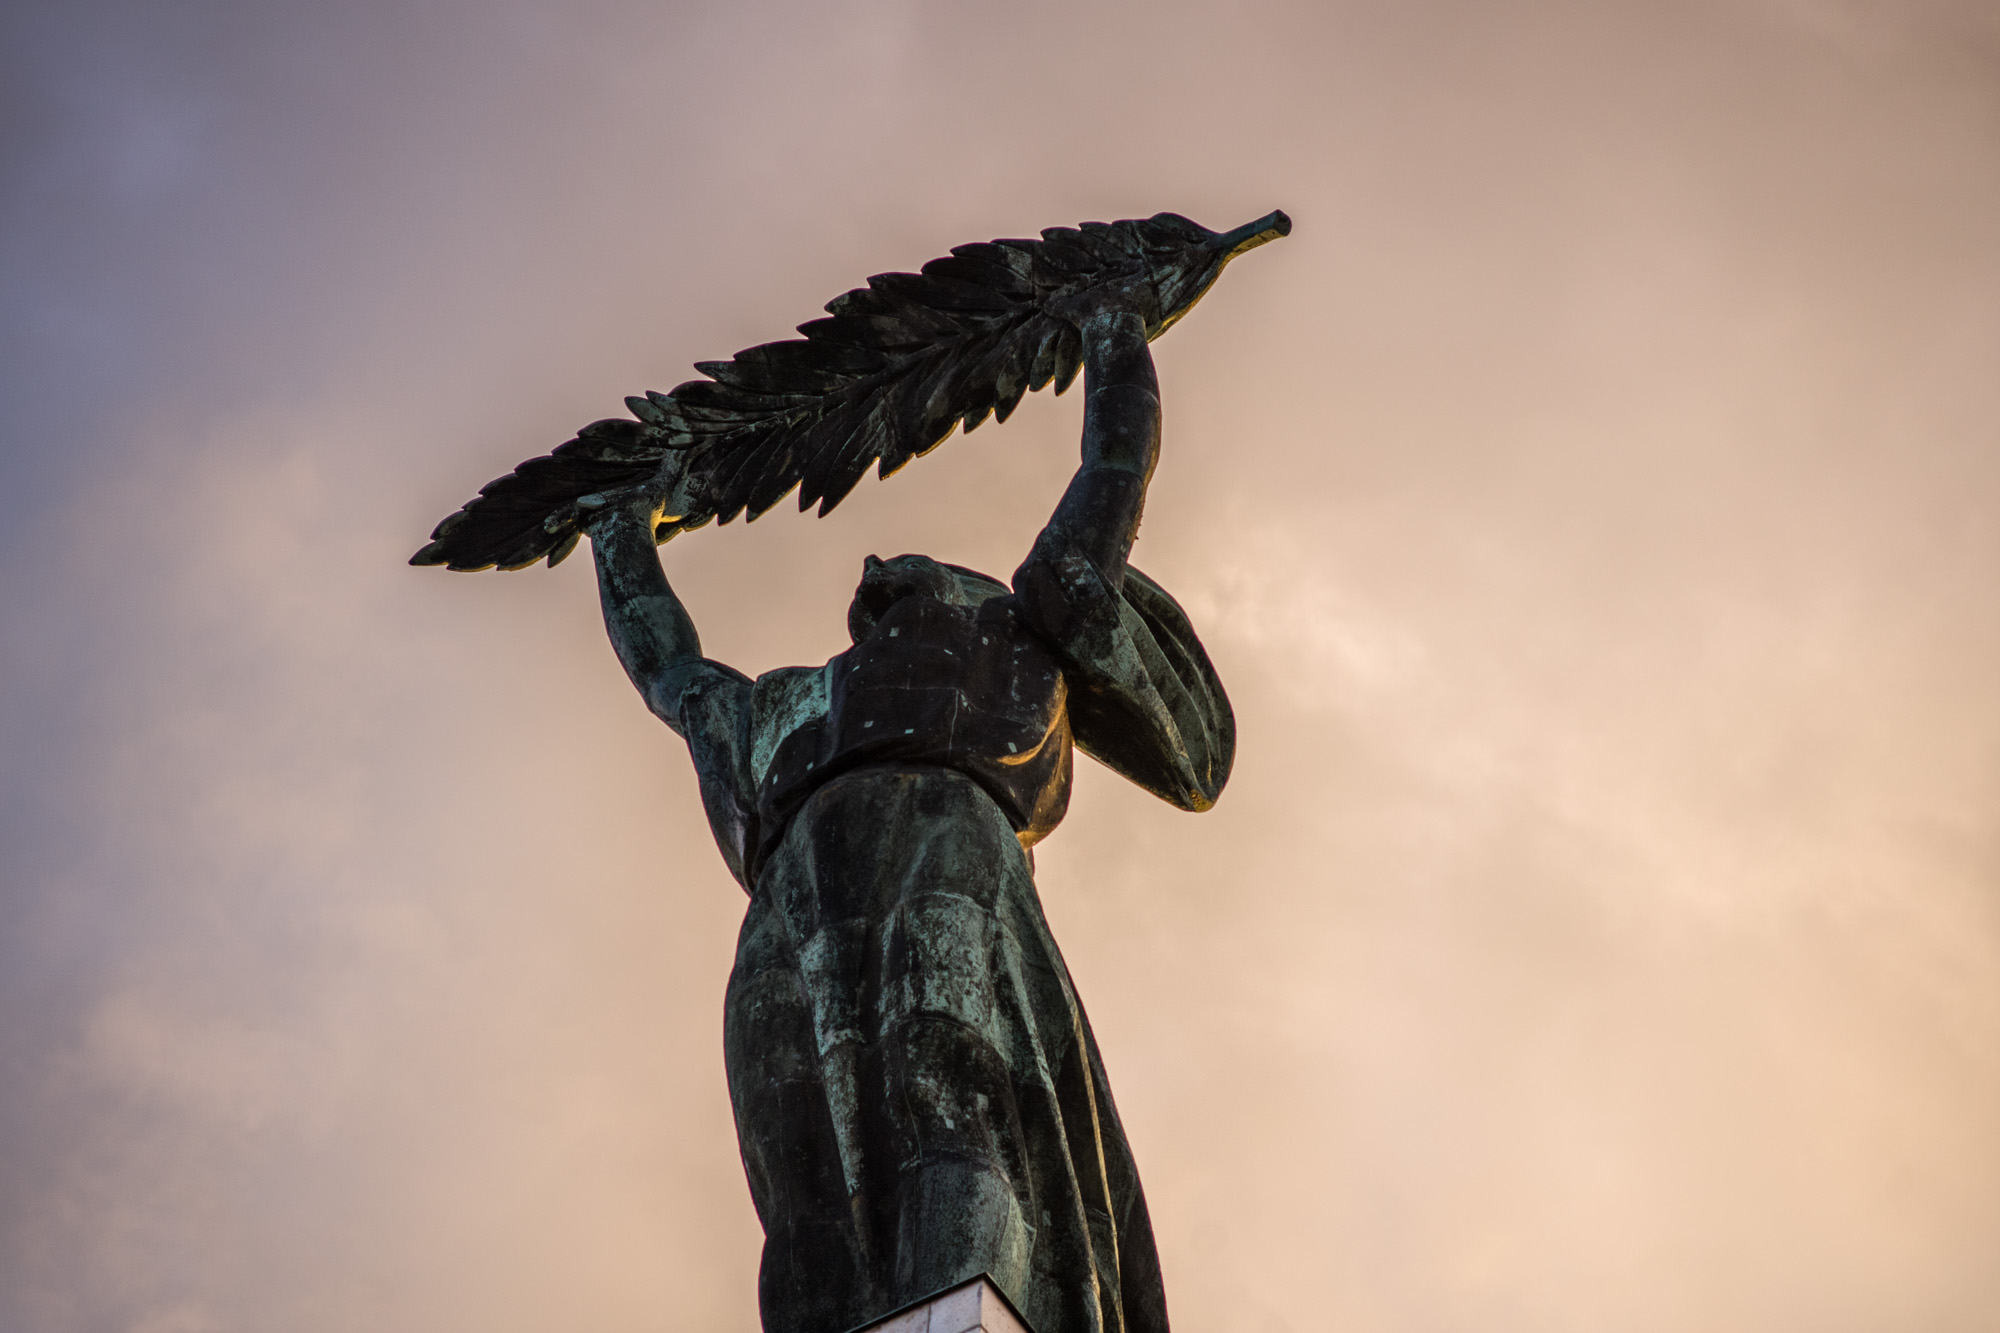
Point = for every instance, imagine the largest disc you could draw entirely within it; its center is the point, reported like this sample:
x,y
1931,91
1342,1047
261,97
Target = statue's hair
x,y
978,587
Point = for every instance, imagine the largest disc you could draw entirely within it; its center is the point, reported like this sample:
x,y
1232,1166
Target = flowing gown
x,y
917,1093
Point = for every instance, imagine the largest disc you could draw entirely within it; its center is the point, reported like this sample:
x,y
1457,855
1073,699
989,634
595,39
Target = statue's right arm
x,y
649,628
705,703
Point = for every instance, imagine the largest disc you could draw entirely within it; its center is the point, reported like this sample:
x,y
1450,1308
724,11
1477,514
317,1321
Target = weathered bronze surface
x,y
917,1094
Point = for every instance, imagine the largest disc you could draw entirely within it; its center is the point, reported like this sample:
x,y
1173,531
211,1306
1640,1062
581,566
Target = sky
x,y
1590,508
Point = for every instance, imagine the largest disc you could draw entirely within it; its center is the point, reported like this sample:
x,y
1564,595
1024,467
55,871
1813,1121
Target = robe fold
x,y
917,1093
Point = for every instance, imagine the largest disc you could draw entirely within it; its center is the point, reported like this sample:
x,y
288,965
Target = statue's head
x,y
886,582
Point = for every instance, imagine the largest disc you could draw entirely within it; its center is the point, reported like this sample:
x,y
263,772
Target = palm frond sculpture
x,y
894,367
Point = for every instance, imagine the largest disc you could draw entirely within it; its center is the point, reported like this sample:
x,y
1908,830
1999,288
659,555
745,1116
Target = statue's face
x,y
886,582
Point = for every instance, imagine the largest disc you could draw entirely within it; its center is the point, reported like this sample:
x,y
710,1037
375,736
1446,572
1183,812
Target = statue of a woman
x,y
917,1093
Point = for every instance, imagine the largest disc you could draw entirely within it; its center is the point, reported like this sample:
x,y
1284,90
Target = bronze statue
x,y
917,1094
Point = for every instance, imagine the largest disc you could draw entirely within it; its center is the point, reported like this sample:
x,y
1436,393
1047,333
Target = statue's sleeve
x,y
1144,700
714,716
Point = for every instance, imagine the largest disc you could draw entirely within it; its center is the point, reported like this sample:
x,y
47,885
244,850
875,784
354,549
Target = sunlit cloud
x,y
1588,508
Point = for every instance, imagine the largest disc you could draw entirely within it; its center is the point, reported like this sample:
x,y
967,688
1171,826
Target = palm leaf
x,y
884,378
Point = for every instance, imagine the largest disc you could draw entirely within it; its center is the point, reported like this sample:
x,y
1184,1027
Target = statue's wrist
x,y
1115,324
614,522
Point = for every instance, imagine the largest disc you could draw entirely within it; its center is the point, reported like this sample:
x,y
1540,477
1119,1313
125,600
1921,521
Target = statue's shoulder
x,y
782,701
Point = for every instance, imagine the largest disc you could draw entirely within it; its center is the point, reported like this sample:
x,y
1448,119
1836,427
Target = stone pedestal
x,y
972,1307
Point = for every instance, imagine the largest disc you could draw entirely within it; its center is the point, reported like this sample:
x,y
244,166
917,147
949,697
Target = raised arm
x,y
649,628
706,703
1142,697
1099,513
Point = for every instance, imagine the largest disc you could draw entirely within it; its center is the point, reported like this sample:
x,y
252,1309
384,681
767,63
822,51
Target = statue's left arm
x,y
1142,696
1098,515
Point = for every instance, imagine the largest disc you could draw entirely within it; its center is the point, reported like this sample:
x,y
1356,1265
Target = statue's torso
x,y
1002,693
963,688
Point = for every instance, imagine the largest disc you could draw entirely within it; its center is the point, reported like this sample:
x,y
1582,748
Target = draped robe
x,y
917,1093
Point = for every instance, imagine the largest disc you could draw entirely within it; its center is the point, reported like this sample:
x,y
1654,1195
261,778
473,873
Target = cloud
x,y
1588,509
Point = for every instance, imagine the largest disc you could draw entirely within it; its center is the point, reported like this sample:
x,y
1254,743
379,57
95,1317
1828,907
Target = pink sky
x,y
1591,508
